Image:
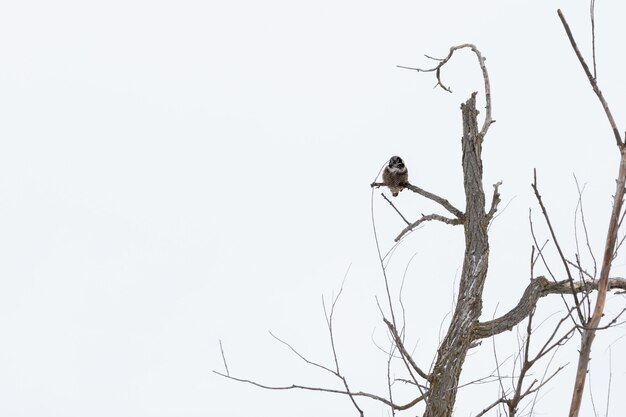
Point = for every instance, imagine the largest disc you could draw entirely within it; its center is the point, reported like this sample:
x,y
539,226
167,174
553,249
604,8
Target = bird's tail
x,y
395,191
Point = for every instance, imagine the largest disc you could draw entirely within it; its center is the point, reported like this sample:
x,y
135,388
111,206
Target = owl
x,y
395,174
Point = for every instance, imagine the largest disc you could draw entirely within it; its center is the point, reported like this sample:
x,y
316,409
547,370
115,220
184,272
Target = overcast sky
x,y
173,173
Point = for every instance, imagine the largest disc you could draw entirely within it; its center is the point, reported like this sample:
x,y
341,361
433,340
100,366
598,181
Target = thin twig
x,y
302,356
489,407
395,208
558,247
582,271
592,13
329,322
592,80
593,401
224,358
403,351
389,382
386,280
334,391
545,263
608,391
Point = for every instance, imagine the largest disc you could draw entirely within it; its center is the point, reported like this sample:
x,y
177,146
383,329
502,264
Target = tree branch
x,y
592,80
538,288
403,351
439,200
224,358
611,236
334,391
425,218
395,208
481,61
558,247
495,200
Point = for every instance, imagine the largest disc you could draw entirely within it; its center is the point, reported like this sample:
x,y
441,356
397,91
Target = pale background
x,y
173,173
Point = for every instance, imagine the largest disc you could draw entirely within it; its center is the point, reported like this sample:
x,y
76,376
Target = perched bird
x,y
395,174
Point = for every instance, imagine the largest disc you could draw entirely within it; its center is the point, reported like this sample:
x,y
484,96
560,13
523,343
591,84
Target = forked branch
x,y
538,288
425,218
495,200
481,61
434,197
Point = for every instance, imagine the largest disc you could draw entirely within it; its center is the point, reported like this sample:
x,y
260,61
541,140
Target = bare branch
x,y
439,200
611,237
537,388
389,382
334,391
547,346
558,247
545,263
592,80
302,356
425,218
538,288
329,322
402,349
489,407
481,61
224,358
442,201
608,391
584,223
395,208
592,14
582,271
495,200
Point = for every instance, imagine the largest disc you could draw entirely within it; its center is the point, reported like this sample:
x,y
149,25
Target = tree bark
x,y
453,350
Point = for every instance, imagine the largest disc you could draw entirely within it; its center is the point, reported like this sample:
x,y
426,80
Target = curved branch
x,y
334,391
425,218
439,200
538,288
481,61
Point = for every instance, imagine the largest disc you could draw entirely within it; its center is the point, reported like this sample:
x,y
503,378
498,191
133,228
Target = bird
x,y
395,174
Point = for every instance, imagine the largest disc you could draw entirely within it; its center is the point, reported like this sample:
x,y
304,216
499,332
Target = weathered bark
x,y
458,340
540,287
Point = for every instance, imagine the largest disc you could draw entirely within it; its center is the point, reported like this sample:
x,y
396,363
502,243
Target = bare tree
x,y
436,389
592,323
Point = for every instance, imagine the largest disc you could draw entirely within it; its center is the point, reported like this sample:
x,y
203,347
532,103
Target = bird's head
x,y
396,162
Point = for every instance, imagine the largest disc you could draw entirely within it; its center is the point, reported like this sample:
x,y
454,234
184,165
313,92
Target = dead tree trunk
x,y
458,340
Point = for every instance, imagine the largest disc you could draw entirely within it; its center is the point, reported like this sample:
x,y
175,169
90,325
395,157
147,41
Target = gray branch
x,y
538,288
334,391
425,218
439,200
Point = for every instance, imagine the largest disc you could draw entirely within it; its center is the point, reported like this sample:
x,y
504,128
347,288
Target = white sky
x,y
175,173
